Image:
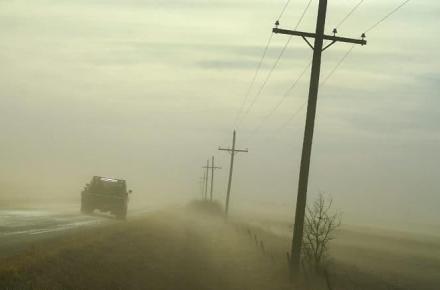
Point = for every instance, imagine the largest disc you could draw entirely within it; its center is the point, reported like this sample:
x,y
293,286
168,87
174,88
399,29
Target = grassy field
x,y
371,258
403,260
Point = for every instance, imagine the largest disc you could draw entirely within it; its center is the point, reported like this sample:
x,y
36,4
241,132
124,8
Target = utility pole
x,y
205,197
317,48
231,168
202,184
212,167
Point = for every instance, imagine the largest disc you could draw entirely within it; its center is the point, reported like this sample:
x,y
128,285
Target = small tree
x,y
320,225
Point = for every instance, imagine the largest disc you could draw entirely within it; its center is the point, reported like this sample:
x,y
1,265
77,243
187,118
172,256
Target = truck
x,y
107,195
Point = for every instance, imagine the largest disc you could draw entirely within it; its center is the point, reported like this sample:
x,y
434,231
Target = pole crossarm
x,y
332,38
210,167
235,150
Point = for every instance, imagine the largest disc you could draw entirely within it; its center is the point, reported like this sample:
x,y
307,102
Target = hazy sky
x,y
147,90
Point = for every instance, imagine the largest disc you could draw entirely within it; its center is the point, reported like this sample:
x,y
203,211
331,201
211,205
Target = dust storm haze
x,y
148,90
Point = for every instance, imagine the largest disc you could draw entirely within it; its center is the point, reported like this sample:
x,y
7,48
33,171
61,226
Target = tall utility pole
x,y
231,168
317,48
212,167
205,197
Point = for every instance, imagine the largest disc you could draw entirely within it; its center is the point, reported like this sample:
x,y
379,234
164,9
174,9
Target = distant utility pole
x,y
212,167
231,168
205,196
202,184
318,48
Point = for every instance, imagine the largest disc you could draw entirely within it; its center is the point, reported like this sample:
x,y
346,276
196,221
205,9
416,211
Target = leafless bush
x,y
320,225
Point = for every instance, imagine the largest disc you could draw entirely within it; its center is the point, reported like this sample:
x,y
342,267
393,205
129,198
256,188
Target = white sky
x,y
147,91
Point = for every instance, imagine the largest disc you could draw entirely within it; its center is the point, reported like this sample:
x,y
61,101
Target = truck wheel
x,y
122,213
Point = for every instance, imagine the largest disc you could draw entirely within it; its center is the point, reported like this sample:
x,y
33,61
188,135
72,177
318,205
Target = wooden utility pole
x,y
213,167
317,48
231,168
202,184
205,196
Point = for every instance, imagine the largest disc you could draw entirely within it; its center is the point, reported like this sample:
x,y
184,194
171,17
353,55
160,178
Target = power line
x,y
387,16
301,75
266,80
332,72
346,17
303,14
344,57
251,85
335,68
284,97
293,116
283,10
372,27
349,13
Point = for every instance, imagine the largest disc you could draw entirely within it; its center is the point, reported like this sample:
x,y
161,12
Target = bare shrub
x,y
320,225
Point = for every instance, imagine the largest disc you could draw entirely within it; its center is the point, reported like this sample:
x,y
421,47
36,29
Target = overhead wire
x,y
322,84
344,57
263,56
266,80
254,78
349,14
283,10
338,64
343,20
335,68
274,66
292,117
284,97
387,16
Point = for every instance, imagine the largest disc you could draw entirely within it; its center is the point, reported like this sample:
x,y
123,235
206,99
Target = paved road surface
x,y
21,227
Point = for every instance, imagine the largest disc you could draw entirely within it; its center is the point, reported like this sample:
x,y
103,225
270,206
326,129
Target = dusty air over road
x,y
195,145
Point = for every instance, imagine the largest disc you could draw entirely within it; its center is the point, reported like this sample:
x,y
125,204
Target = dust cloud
x,y
147,92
